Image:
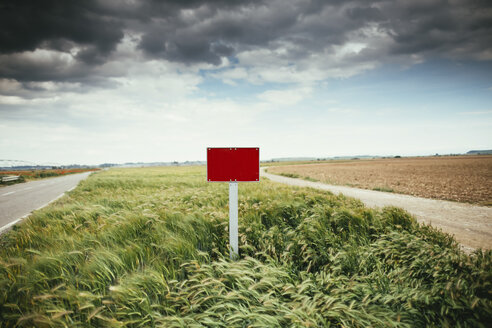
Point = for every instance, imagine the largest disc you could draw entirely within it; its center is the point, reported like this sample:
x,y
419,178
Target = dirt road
x,y
471,225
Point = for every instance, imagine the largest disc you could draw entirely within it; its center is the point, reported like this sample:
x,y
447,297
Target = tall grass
x,y
148,248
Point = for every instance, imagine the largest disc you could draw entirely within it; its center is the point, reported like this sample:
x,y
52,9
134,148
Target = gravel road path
x,y
471,225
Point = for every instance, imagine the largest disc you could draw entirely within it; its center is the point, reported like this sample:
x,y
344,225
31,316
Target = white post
x,y
233,224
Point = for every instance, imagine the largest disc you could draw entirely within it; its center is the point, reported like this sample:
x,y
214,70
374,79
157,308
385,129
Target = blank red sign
x,y
233,164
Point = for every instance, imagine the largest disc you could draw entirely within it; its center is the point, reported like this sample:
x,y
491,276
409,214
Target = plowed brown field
x,y
458,178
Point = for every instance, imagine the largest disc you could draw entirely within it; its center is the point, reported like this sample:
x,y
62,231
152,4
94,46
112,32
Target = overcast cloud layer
x,y
119,70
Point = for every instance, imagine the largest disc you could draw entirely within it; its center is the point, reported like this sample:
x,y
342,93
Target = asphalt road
x,y
19,200
471,225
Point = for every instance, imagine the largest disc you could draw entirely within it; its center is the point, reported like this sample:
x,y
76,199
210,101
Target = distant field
x,y
457,178
149,248
283,163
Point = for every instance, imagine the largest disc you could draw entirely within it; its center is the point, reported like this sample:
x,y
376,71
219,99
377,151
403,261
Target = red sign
x,y
233,164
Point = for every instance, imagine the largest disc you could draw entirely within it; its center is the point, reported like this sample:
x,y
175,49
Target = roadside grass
x,y
385,189
290,175
296,176
149,248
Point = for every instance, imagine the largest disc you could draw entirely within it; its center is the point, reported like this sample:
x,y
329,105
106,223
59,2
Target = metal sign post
x,y
233,165
233,219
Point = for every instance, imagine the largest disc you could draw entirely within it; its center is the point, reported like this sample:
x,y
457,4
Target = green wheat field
x,y
149,248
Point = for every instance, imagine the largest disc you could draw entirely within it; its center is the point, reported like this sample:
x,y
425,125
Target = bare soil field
x,y
457,178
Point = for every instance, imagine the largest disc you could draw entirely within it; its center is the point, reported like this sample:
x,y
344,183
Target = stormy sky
x,y
115,81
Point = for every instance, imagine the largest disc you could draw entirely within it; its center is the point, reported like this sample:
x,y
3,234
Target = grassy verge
x,y
296,176
384,189
148,248
290,175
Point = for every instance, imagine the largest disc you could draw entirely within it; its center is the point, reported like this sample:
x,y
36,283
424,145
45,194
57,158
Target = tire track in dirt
x,y
471,225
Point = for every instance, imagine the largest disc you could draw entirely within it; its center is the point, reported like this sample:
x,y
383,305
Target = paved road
x,y
471,225
19,200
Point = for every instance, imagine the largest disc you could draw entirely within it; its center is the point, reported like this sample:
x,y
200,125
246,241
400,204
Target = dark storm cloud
x,y
416,27
27,25
198,31
438,28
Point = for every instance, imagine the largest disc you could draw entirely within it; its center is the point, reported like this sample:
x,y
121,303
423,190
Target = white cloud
x,y
349,48
482,112
287,97
12,100
15,100
46,56
230,76
146,117
262,65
